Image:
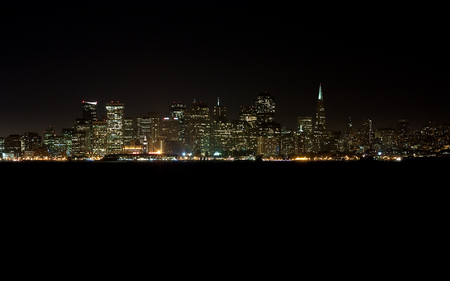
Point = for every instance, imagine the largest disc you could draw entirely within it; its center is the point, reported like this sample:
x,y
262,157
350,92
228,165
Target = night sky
x,y
378,62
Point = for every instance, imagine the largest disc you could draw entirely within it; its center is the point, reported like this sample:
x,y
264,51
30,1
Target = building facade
x,y
320,127
114,127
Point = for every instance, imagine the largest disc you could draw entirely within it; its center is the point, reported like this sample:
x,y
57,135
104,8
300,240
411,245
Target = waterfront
x,y
367,208
231,173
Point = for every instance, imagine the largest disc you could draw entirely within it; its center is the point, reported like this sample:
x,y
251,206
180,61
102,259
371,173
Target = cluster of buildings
x,y
203,132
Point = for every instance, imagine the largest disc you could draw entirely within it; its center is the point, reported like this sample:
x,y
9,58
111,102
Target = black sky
x,y
378,62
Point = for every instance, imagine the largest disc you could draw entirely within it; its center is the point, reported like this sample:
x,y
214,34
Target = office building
x,y
90,110
199,129
81,138
320,128
114,127
99,137
148,128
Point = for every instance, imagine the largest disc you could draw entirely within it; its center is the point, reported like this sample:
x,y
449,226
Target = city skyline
x,y
101,113
381,63
204,131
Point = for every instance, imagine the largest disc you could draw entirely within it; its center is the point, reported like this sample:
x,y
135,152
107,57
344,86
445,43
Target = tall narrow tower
x,y
320,128
114,127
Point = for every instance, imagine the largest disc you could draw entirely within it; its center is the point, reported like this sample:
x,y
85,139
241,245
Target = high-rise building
x,y
367,132
304,125
348,136
114,127
245,131
403,128
30,141
81,138
67,135
128,130
219,111
221,132
265,108
320,128
49,139
99,137
90,110
305,134
13,145
178,110
200,127
268,141
148,127
265,115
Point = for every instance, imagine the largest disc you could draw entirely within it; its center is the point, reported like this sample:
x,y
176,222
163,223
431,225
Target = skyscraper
x,y
304,125
221,136
265,108
265,115
200,126
305,134
178,110
320,128
148,129
219,111
114,127
90,110
99,137
268,141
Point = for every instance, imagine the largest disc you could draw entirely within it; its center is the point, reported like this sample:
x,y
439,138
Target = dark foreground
x,y
329,217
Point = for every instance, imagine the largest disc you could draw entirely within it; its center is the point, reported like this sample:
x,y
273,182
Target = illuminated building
x,y
128,130
170,132
265,108
386,137
304,125
114,127
90,110
288,142
67,135
268,145
199,129
148,126
13,145
320,128
348,136
99,137
170,129
178,110
219,111
30,141
2,145
49,139
133,148
367,132
334,142
221,132
304,134
403,132
265,115
81,137
268,142
245,131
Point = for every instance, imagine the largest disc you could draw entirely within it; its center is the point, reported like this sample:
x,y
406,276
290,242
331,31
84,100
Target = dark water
x,y
308,213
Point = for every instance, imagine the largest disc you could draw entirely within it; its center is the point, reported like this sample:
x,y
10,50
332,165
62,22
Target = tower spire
x,y
320,91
